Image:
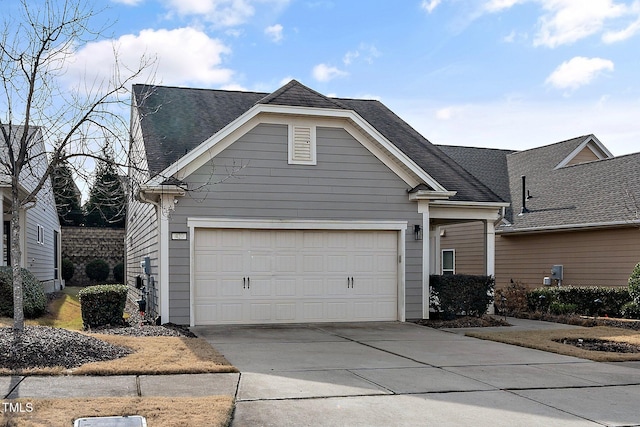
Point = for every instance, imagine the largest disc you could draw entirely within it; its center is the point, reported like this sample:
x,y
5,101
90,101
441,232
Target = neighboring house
x,y
579,208
287,207
39,225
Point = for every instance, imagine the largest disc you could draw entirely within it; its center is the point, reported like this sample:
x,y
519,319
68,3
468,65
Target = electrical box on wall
x,y
557,272
146,265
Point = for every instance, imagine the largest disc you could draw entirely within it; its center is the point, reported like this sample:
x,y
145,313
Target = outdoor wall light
x,y
417,231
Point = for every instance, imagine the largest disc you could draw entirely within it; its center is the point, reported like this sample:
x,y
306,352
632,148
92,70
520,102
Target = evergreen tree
x,y
67,195
106,206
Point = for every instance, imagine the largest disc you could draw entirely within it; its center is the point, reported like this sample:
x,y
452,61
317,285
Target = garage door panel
x,y
231,287
337,311
260,286
295,276
336,286
313,264
285,287
313,311
260,312
232,263
286,312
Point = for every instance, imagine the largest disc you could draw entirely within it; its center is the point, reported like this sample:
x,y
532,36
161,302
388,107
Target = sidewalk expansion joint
x,y
138,388
13,386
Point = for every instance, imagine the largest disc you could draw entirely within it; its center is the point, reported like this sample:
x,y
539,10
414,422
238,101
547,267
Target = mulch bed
x,y
464,322
595,344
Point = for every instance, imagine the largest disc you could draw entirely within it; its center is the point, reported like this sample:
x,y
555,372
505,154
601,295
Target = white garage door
x,y
287,276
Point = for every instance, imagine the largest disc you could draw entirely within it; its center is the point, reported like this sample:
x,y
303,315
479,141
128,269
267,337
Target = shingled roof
x,y
597,193
176,120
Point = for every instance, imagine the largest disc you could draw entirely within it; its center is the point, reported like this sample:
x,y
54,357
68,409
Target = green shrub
x,y
34,299
561,308
461,294
589,300
634,284
631,310
97,270
118,272
102,305
67,269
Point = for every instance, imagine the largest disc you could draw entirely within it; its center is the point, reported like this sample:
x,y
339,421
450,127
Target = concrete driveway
x,y
384,374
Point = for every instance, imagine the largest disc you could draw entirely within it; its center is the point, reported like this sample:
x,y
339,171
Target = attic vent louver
x,y
302,145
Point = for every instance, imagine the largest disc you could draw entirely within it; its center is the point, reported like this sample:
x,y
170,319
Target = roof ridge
x,y
293,83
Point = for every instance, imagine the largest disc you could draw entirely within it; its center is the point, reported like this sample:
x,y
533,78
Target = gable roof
x,y
593,194
175,120
489,165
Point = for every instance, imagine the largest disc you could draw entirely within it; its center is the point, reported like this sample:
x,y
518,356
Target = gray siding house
x,y
39,225
288,207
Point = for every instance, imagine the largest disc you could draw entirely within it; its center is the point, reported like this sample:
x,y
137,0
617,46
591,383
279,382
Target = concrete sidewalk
x,y
118,386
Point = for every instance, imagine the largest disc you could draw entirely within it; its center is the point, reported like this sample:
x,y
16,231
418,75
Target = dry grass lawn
x,y
152,356
159,355
63,312
214,411
543,340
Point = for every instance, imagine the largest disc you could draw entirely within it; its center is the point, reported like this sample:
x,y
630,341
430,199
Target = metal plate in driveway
x,y
131,421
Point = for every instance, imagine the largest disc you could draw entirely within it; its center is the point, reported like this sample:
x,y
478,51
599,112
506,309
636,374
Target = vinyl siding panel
x,y
468,241
590,258
347,183
142,221
584,156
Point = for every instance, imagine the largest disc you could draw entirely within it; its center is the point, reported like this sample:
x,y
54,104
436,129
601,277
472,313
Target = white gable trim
x,y
378,145
593,144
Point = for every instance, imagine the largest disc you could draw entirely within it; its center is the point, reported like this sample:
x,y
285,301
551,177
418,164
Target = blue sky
x,y
489,73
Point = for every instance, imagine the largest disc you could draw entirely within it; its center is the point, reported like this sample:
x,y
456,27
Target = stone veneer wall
x,y
84,244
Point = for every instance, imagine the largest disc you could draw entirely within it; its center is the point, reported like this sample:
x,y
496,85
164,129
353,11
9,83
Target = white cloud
x,y
324,72
366,52
447,113
517,126
221,13
274,32
578,71
184,56
617,36
568,21
499,5
430,5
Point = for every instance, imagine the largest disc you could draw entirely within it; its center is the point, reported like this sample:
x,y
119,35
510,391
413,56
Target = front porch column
x,y
490,254
3,262
423,208
490,248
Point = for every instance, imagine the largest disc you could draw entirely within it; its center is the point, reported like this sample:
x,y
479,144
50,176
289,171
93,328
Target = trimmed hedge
x,y
97,270
103,305
34,299
118,272
68,269
631,310
634,284
455,294
584,300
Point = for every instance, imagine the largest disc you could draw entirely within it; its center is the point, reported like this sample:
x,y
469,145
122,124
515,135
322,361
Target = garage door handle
x,y
248,282
352,283
244,282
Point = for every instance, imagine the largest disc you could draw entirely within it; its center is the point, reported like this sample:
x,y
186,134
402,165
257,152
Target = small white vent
x,y
302,145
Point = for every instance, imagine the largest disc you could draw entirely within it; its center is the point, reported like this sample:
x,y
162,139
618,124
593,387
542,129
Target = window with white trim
x,y
448,261
302,144
40,235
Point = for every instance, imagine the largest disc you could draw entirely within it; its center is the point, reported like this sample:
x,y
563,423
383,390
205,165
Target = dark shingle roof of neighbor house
x,y
586,194
176,120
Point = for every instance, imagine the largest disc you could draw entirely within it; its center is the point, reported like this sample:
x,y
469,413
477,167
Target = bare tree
x,y
39,106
